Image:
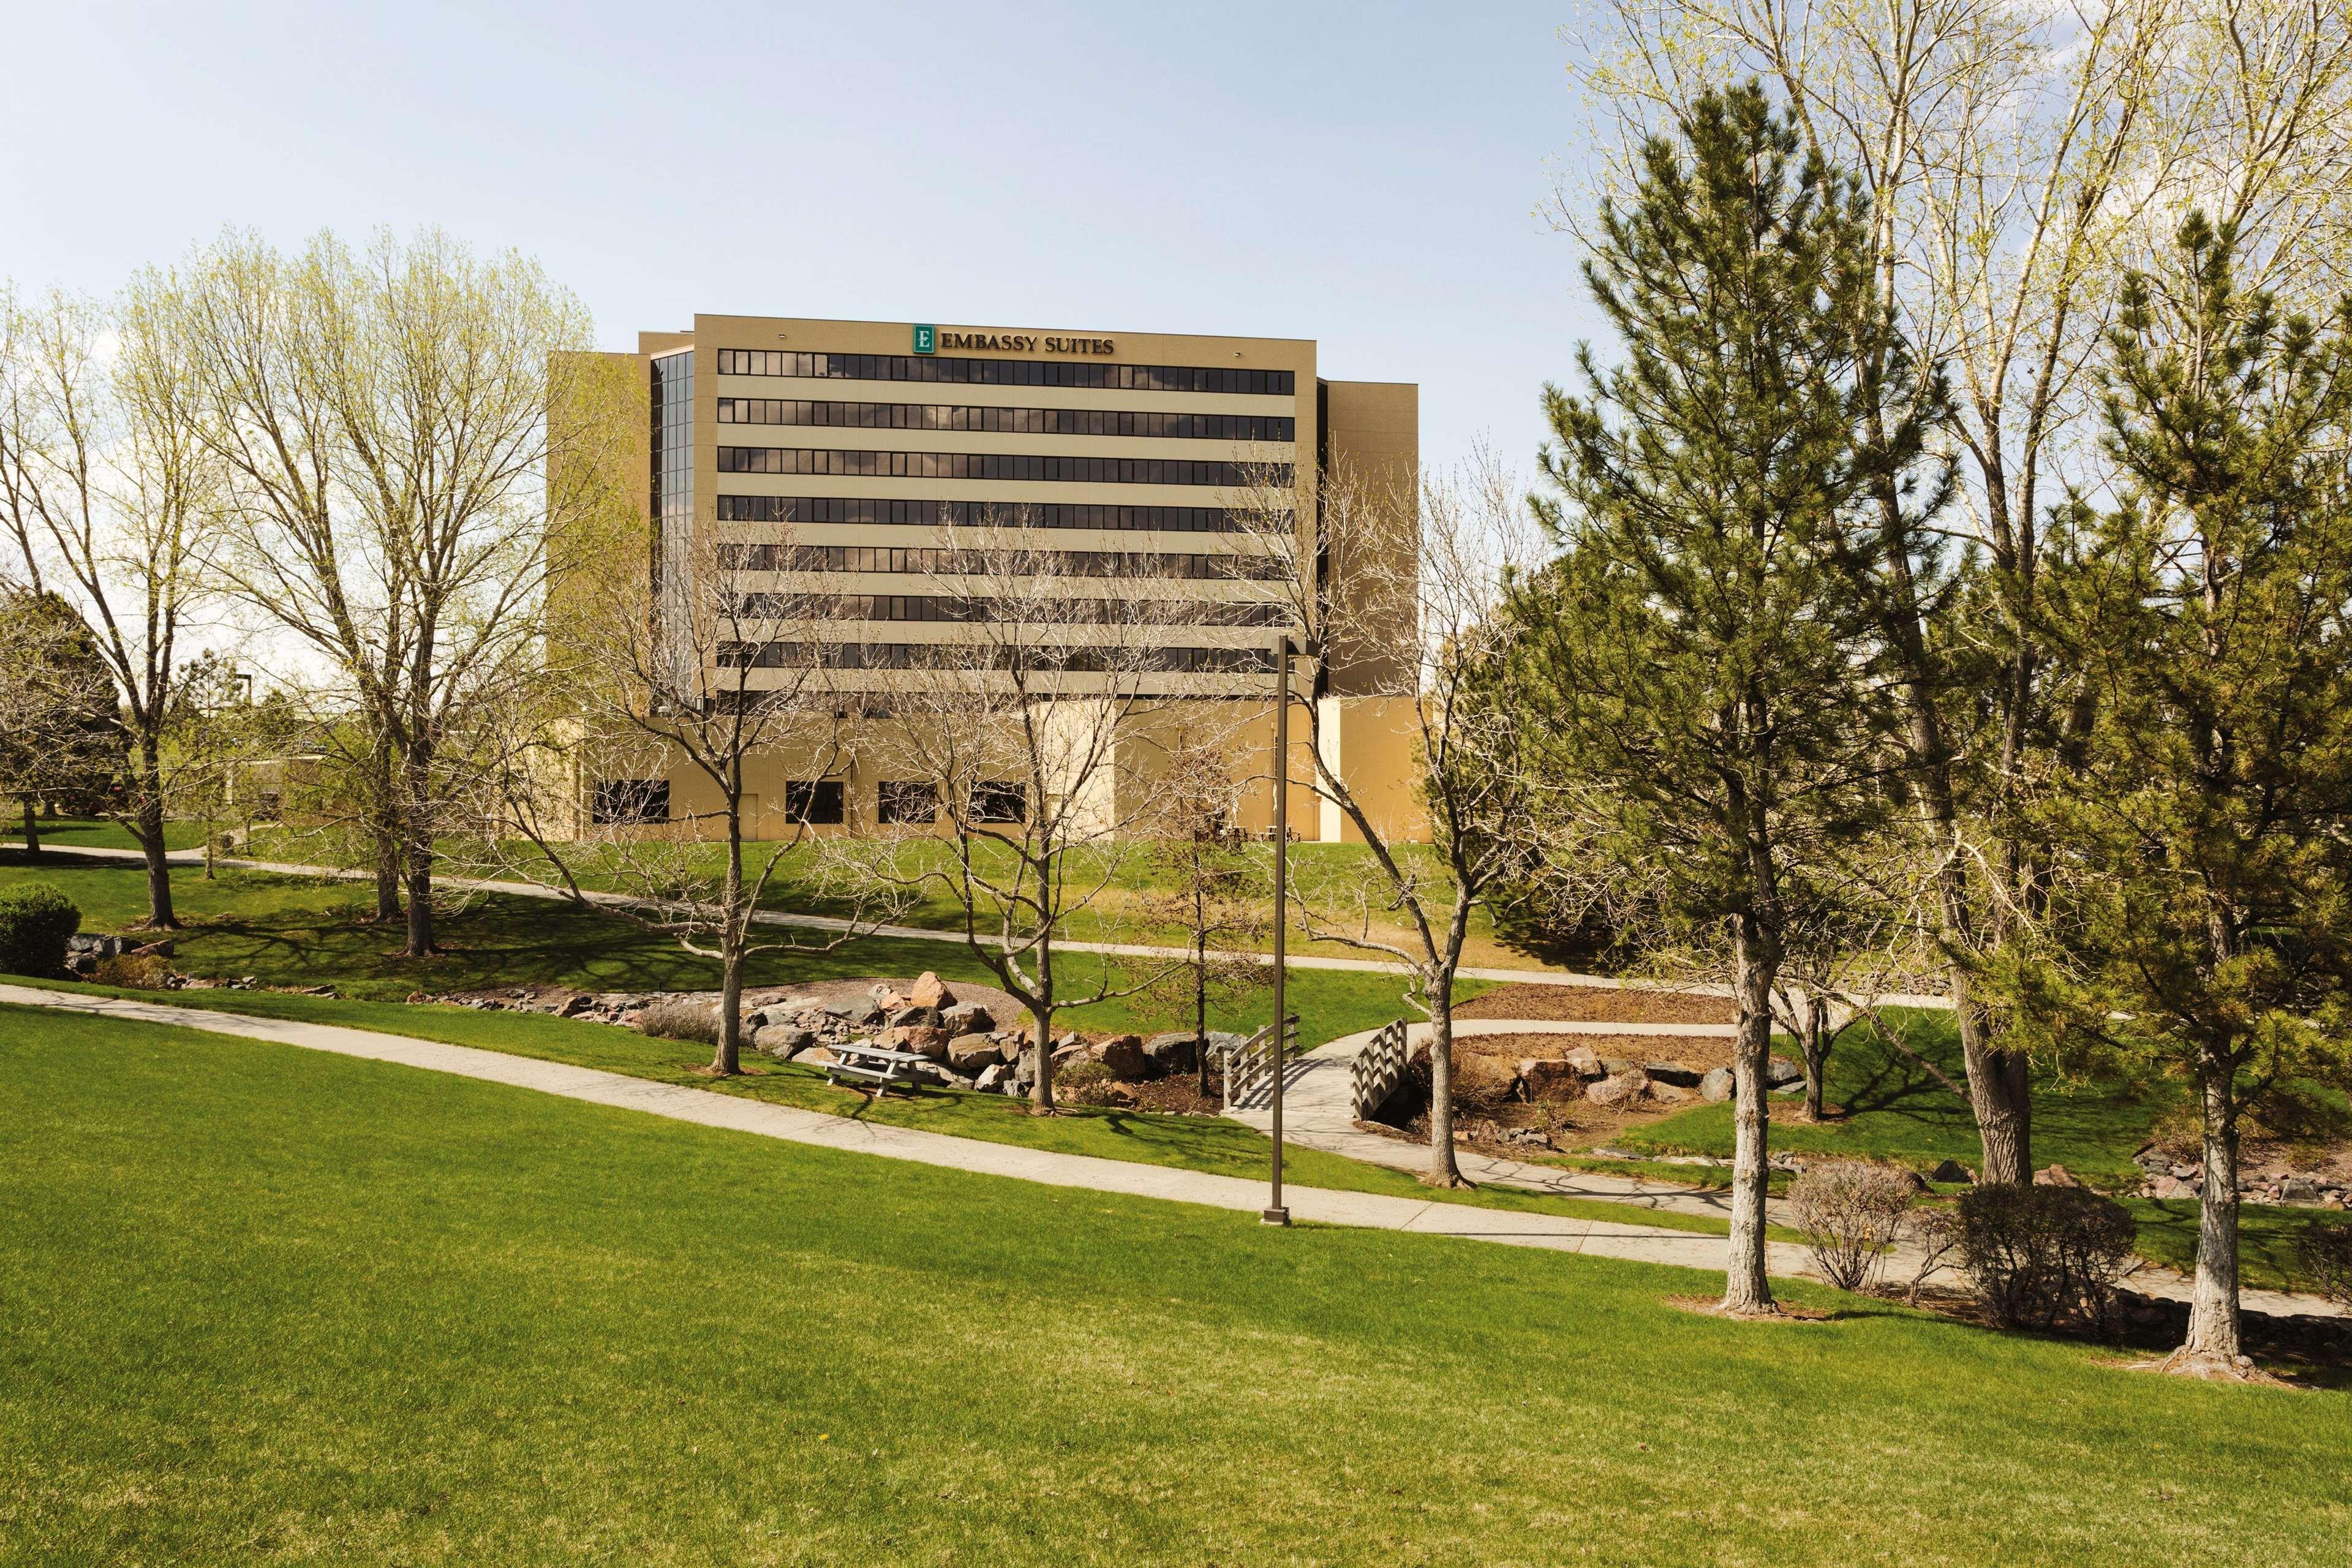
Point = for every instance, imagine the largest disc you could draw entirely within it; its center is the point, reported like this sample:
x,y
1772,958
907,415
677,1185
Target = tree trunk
x,y
418,823
1817,1053
1041,1093
2000,1093
1998,1080
1443,1170
148,830
32,834
727,1058
1755,965
2214,1348
387,873
1201,1006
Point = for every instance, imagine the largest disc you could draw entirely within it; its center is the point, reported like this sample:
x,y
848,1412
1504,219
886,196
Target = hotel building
x,y
1146,469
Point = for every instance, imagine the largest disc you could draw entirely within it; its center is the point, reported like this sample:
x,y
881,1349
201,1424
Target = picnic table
x,y
874,1064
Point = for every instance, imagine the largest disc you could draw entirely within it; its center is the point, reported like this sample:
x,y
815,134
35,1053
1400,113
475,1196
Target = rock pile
x,y
964,1044
2164,1176
1614,1081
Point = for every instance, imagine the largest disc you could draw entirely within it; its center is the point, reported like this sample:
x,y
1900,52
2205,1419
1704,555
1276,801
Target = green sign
x,y
927,337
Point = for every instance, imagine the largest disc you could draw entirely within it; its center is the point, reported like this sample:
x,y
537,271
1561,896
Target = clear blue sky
x,y
1366,175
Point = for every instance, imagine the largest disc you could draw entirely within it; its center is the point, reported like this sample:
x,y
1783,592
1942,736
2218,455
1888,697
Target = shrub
x,y
132,970
1085,1083
1849,1211
675,1018
2325,1251
35,918
2040,1254
1934,1230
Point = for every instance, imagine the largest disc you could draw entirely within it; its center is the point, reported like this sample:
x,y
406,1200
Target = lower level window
x,y
906,800
815,801
999,801
623,801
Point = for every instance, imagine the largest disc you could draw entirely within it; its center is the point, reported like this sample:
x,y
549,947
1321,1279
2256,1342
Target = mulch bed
x,y
1598,1005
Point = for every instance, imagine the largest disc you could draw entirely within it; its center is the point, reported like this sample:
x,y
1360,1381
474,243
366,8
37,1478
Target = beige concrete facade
x,y
876,440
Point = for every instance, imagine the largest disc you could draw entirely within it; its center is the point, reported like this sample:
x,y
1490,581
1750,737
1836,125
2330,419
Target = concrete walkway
x,y
1318,1111
925,933
1367,1210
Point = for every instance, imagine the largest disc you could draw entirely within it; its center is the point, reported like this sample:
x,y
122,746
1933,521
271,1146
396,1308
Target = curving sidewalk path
x,y
1318,1111
1600,1238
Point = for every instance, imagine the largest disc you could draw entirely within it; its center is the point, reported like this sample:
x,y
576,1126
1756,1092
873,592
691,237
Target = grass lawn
x,y
1896,1111
2266,1239
98,832
301,931
268,1306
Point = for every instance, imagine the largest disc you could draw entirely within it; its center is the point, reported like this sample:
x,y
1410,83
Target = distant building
x,y
845,456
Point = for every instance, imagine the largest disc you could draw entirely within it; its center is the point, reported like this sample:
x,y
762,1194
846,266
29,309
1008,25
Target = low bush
x,y
2042,1255
2325,1252
1934,1230
133,971
35,918
674,1018
1849,1211
1085,1083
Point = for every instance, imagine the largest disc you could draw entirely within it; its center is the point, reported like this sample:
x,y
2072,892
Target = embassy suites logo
x,y
929,339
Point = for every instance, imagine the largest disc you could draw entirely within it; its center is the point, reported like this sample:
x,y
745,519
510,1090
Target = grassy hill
x,y
267,1306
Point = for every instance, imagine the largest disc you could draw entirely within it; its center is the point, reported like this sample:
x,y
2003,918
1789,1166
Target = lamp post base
x,y
1275,1217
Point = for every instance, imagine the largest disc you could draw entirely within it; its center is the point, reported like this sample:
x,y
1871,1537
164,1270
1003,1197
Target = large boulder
x,y
922,1042
917,1017
1171,1052
971,1053
1619,1089
1951,1171
2055,1177
812,1057
1780,1072
928,992
1542,1078
966,1018
1674,1073
781,1039
1586,1064
993,1079
1717,1086
1124,1054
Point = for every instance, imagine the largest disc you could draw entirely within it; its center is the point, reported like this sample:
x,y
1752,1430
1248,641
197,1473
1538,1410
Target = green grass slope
x,y
264,1306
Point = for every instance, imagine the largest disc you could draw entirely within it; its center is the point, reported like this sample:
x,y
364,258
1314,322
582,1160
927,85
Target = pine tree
x,y
2213,809
1708,650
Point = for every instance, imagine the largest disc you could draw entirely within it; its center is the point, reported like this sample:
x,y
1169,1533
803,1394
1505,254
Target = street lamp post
x,y
1276,1213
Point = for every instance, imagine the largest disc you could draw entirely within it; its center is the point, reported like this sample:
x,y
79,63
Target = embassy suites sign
x,y
930,339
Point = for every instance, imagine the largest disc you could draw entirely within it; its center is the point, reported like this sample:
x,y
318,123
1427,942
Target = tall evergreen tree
x,y
1709,650
2213,807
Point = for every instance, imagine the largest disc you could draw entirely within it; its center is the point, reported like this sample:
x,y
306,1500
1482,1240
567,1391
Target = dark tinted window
x,y
906,800
623,800
816,801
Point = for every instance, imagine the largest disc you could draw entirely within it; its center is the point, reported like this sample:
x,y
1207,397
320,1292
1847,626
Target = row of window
x,y
994,421
1015,465
993,514
1051,612
819,802
972,655
1009,372
1174,565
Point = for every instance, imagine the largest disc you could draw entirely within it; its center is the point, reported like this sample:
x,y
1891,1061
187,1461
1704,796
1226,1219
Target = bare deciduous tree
x,y
112,484
1426,559
382,417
